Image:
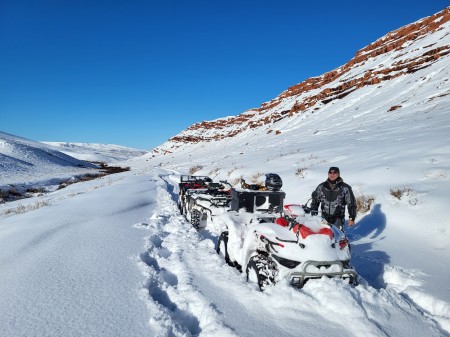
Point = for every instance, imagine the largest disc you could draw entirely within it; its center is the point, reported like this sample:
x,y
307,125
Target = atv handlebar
x,y
309,210
225,182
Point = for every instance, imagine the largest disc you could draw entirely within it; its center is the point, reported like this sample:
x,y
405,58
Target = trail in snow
x,y
178,308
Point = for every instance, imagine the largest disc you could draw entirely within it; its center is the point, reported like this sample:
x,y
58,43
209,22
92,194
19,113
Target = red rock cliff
x,y
336,84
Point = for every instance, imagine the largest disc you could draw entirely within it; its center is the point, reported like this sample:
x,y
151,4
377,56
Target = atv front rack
x,y
299,278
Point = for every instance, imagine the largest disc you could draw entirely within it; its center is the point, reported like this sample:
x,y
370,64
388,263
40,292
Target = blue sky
x,y
136,73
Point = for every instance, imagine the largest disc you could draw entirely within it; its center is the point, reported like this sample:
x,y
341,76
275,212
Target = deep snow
x,y
113,257
69,268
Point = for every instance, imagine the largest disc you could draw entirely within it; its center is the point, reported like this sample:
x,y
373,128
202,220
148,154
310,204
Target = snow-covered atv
x,y
189,183
297,246
200,198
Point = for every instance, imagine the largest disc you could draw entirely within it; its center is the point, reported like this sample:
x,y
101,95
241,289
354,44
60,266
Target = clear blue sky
x,y
137,72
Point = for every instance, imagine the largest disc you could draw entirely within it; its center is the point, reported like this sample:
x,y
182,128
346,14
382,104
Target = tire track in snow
x,y
176,307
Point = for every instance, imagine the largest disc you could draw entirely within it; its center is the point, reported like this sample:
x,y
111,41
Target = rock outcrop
x,y
401,52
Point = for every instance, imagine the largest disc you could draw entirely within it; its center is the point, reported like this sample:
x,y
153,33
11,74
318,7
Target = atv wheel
x,y
221,248
354,281
195,218
258,271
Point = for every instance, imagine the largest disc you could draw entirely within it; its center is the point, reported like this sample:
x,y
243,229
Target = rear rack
x,y
298,279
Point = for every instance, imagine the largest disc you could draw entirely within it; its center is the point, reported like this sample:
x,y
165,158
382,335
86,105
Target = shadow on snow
x,y
369,263
170,187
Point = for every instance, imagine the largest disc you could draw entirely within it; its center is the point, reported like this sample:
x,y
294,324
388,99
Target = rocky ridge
x,y
401,52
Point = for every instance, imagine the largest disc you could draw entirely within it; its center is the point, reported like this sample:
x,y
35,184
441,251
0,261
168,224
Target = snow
x,y
114,257
72,273
107,153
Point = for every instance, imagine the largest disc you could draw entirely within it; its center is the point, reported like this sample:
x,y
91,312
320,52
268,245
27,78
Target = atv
x,y
189,183
297,246
200,198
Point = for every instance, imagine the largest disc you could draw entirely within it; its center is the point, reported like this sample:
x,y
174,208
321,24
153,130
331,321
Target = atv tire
x,y
222,246
354,281
258,271
196,216
222,250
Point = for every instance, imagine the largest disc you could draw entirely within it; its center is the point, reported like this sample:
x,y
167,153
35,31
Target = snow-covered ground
x,y
113,257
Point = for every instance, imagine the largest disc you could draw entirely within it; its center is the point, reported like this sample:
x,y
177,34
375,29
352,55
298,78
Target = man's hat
x,y
334,168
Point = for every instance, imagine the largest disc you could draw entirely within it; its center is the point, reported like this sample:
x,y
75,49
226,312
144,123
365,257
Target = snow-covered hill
x,y
113,256
30,163
107,153
27,164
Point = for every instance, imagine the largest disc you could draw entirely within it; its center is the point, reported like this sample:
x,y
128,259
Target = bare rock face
x,y
398,53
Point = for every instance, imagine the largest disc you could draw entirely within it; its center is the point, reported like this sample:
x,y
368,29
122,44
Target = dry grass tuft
x,y
195,169
399,192
364,203
23,209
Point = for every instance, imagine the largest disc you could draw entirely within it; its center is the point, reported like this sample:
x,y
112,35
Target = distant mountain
x,y
23,161
392,60
21,153
107,153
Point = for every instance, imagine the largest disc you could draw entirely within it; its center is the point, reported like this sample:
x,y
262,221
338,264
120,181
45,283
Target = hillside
x,y
403,61
107,153
24,161
27,165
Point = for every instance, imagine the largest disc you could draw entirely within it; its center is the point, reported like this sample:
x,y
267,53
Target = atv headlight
x,y
343,243
285,262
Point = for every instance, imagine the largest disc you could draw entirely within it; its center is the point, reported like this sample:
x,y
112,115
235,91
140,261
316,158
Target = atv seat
x,y
306,231
282,222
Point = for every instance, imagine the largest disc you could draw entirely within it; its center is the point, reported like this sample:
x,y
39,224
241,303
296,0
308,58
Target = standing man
x,y
333,195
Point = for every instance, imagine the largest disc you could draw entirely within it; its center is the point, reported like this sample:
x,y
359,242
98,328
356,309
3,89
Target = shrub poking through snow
x,y
364,203
236,181
405,193
301,172
23,209
214,172
398,192
256,176
194,169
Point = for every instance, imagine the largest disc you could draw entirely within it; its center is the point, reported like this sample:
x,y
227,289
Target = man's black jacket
x,y
333,197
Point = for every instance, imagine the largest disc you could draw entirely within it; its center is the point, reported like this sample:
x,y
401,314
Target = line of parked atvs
x,y
260,235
